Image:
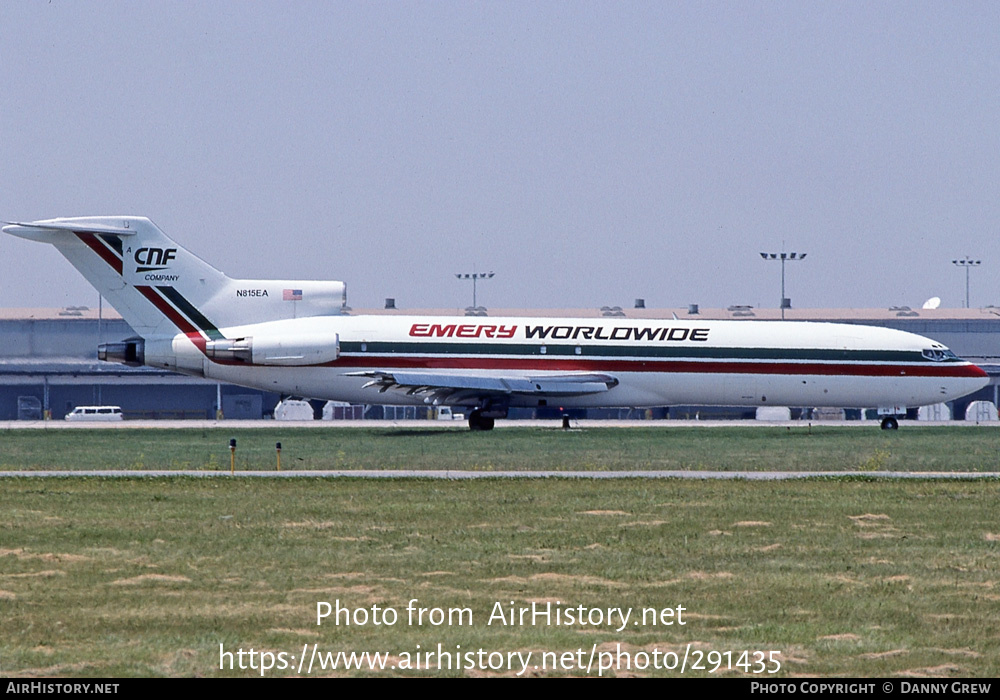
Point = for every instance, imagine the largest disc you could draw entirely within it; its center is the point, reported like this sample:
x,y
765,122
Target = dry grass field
x,y
149,577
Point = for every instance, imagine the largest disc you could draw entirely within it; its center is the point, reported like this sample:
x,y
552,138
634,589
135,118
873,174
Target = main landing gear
x,y
890,423
477,421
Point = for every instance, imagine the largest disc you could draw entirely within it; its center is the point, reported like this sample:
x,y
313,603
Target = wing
x,y
457,389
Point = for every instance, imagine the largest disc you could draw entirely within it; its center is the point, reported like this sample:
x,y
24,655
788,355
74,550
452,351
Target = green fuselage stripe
x,y
185,307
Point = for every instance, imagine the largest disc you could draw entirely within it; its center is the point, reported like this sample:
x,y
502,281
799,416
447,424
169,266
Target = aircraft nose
x,y
972,379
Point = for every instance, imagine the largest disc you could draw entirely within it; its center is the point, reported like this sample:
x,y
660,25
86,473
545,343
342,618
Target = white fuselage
x,y
655,362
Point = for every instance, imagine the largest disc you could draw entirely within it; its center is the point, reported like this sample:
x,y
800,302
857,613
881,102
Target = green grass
x,y
727,449
845,577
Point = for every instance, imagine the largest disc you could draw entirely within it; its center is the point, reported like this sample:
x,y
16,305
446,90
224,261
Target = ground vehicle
x,y
95,413
445,413
293,409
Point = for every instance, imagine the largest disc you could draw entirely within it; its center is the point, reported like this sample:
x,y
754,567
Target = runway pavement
x,y
455,475
462,425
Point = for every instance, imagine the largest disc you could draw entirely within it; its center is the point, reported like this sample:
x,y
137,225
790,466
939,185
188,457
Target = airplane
x,y
292,337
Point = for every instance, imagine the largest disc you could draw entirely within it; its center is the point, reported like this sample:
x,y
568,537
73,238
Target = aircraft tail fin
x,y
161,288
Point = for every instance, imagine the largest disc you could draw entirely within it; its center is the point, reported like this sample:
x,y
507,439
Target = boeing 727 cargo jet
x,y
290,337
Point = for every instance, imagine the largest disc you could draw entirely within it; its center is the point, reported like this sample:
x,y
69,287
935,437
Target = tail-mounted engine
x,y
131,352
293,350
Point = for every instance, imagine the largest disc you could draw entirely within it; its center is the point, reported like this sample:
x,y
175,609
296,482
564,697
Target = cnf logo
x,y
153,258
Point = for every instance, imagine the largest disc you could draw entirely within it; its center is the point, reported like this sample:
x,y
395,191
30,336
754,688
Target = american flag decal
x,y
291,295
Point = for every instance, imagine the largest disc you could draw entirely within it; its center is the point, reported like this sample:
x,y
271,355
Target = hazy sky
x,y
587,152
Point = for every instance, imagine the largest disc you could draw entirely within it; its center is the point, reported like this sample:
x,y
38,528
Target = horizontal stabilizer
x,y
75,225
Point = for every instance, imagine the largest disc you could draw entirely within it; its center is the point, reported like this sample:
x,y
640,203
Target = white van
x,y
102,413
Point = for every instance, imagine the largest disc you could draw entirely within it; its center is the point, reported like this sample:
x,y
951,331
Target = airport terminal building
x,y
49,365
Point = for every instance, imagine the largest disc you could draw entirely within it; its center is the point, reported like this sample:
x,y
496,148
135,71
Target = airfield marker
x,y
232,455
277,446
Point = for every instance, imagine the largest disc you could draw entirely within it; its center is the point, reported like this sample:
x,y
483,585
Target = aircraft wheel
x,y
890,423
478,422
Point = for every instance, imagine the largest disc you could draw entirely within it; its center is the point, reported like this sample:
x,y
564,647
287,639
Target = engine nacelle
x,y
131,352
287,350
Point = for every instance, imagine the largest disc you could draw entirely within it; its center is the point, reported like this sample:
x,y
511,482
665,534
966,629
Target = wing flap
x,y
442,386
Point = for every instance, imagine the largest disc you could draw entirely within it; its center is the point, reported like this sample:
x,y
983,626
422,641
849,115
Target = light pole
x,y
968,263
786,303
474,276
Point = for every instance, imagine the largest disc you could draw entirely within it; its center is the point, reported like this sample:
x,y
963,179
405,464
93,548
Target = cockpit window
x,y
935,355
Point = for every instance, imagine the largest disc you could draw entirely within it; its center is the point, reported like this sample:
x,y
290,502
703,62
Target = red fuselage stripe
x,y
673,367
